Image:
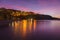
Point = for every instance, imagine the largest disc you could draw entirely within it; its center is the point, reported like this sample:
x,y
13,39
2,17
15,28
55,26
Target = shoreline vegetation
x,y
7,14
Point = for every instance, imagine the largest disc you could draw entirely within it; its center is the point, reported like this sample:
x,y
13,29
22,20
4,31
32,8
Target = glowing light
x,y
30,25
34,25
24,27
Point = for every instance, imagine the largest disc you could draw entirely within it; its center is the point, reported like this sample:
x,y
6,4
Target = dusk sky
x,y
49,7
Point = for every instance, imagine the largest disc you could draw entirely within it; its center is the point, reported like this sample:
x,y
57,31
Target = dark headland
x,y
14,14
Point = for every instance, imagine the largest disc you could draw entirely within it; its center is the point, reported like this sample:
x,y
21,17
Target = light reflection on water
x,y
23,27
36,28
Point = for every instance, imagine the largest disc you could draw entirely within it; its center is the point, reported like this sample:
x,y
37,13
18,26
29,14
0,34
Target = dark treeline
x,y
11,14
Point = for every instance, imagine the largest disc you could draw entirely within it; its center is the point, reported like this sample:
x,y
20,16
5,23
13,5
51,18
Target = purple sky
x,y
50,7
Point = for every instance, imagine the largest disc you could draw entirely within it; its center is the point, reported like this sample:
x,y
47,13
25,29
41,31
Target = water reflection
x,y
30,29
23,27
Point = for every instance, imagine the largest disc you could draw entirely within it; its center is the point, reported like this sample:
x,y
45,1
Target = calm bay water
x,y
30,30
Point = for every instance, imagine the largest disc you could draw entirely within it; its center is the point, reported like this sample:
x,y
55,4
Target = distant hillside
x,y
11,14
